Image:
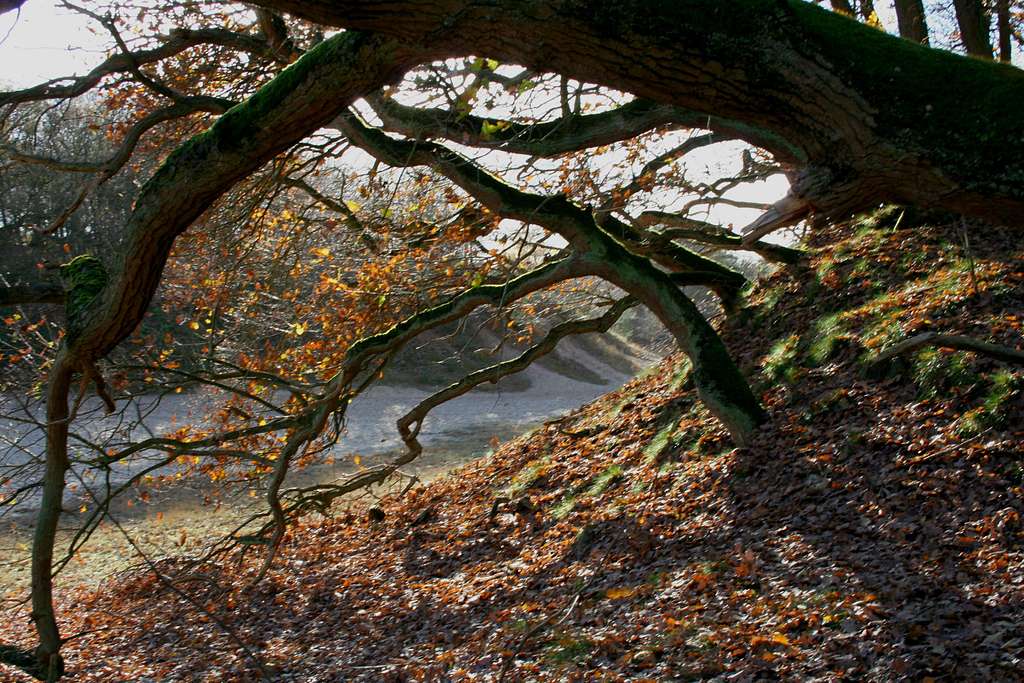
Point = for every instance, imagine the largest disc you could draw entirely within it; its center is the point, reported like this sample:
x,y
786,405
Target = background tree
x,y
975,24
1005,30
912,23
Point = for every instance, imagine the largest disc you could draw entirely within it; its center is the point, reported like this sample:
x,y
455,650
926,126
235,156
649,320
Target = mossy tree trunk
x,y
860,116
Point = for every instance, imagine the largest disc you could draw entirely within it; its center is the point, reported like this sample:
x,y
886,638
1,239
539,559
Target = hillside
x,y
873,532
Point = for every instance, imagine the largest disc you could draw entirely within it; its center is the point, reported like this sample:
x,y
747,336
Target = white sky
x,y
45,42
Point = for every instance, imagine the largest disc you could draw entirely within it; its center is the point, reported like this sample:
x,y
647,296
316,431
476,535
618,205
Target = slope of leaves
x,y
873,532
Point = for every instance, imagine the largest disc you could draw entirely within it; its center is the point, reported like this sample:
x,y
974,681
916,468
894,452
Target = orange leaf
x,y
620,592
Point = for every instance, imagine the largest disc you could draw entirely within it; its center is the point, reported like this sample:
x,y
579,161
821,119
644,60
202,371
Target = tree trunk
x,y
867,9
49,662
1003,24
974,23
864,116
911,19
843,7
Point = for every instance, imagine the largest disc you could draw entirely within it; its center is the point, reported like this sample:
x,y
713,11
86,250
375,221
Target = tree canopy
x,y
353,174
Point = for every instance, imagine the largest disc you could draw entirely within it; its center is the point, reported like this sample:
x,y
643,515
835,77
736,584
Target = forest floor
x,y
872,532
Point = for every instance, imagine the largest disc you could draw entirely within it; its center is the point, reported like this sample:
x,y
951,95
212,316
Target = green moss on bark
x,y
944,105
84,278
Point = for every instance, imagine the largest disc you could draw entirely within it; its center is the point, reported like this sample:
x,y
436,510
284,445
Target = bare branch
x,y
495,372
951,341
184,107
699,231
351,220
175,43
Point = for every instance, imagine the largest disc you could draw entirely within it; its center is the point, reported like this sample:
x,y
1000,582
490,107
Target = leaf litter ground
x,y
873,532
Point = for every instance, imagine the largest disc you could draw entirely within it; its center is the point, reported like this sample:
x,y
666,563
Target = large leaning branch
x,y
573,223
868,117
303,97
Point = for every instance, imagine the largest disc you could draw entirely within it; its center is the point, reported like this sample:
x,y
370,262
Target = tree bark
x,y
911,20
58,417
843,7
1005,33
866,117
974,23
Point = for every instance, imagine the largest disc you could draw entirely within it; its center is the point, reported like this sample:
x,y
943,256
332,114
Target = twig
x,y
970,256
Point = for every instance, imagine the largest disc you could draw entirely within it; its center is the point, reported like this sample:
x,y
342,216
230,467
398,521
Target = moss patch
x,y
84,279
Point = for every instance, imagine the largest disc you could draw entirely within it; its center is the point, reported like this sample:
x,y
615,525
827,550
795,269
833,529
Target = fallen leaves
x,y
859,538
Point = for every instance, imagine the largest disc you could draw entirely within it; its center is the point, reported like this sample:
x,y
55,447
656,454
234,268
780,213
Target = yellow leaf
x,y
194,325
620,592
780,639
